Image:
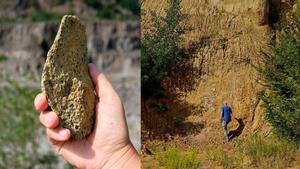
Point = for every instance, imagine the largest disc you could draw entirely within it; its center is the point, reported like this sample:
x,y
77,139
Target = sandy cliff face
x,y
235,32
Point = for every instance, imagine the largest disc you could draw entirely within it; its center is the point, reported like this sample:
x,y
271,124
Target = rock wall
x,y
109,43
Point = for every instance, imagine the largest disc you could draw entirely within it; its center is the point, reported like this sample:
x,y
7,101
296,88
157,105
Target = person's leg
x,y
224,124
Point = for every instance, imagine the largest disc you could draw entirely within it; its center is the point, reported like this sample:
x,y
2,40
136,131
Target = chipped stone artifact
x,y
66,80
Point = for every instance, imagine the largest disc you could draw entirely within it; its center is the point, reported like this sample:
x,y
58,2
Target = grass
x,y
7,20
170,158
268,152
217,156
20,128
3,57
255,152
175,158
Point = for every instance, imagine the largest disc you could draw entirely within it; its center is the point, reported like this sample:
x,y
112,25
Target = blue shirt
x,y
226,110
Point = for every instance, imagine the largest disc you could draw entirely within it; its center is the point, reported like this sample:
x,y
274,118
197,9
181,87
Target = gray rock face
x,y
66,80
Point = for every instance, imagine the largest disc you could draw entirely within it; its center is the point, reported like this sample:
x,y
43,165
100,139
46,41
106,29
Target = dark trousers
x,y
224,125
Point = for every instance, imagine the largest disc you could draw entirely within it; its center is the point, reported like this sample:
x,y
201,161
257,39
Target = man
x,y
225,119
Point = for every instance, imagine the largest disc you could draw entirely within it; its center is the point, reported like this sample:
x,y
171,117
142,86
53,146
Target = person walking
x,y
226,112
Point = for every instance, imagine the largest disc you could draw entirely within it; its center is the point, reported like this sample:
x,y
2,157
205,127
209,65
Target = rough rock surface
x,y
66,80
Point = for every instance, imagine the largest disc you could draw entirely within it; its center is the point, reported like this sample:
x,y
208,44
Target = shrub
x,y
3,57
39,16
7,20
132,5
174,158
60,2
160,47
110,11
19,129
280,73
93,3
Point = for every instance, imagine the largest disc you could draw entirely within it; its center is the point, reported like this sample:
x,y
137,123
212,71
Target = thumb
x,y
103,88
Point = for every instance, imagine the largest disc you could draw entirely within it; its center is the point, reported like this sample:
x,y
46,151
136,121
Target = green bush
x,y
7,20
110,11
60,2
20,129
280,73
39,16
120,10
3,57
160,47
174,158
93,3
132,5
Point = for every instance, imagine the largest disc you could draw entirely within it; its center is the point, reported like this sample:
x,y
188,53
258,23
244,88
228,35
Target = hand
x,y
108,146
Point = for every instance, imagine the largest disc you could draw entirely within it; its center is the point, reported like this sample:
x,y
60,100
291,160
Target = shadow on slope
x,y
238,131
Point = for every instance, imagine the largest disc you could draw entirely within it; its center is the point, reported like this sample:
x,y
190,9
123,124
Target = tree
x,y
281,75
160,47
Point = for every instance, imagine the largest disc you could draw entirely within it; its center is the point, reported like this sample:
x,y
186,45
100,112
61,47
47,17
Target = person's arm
x,y
222,114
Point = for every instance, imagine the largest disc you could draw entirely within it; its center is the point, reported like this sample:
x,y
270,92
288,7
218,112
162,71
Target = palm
x,y
102,142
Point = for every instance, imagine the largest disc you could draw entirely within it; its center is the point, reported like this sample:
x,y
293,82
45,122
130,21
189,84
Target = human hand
x,y
108,146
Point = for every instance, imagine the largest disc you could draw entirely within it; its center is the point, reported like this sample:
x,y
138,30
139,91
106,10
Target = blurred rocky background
x,y
27,30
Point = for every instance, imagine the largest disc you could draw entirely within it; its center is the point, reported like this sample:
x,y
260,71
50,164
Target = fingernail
x,y
47,120
62,133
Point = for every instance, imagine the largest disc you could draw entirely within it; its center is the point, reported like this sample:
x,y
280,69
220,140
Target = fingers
x,y
103,87
49,119
58,134
40,102
93,72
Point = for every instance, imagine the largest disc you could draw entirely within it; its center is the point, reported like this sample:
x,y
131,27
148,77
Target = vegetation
x,y
60,2
217,156
132,5
3,57
121,10
160,47
20,129
93,3
161,108
253,151
174,158
281,75
7,20
39,16
268,152
171,158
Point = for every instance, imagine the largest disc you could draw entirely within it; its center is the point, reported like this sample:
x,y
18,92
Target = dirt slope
x,y
223,71
235,32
